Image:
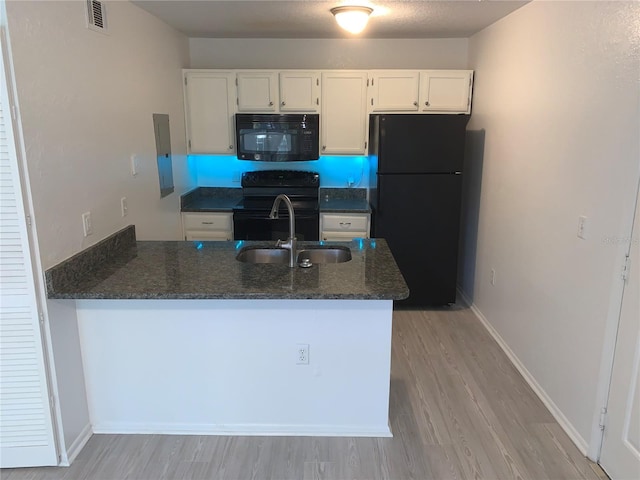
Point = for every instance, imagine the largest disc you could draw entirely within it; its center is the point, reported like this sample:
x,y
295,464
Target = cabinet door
x,y
257,92
344,113
300,92
445,91
207,225
394,91
209,111
344,226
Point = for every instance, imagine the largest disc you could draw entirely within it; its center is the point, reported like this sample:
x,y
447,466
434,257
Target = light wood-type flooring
x,y
459,410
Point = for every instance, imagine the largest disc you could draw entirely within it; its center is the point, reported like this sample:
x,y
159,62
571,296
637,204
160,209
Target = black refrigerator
x,y
416,176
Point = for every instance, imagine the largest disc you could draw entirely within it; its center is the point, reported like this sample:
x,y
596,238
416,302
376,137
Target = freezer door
x,y
419,216
420,143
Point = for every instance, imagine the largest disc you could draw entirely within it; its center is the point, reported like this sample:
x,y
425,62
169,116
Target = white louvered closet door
x,y
26,428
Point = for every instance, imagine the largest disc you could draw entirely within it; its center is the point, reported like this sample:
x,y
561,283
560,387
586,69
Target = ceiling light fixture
x,y
352,18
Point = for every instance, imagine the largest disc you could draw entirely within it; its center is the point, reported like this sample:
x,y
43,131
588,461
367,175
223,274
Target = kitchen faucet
x,y
291,242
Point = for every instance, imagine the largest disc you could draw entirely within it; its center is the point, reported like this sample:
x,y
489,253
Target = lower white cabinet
x,y
344,226
207,225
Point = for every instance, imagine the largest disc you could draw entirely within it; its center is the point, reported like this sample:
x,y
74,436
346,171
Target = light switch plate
x,y
87,227
582,227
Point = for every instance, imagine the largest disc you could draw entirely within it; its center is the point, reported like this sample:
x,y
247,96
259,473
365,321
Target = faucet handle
x,y
279,242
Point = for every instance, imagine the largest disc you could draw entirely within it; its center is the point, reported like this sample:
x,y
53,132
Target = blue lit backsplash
x,y
225,170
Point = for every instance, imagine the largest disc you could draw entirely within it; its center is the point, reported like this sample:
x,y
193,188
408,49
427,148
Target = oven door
x,y
258,226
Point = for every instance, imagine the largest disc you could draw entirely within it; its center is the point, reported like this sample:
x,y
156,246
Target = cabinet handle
x,y
345,224
271,104
324,147
317,101
230,147
282,103
207,223
415,104
426,103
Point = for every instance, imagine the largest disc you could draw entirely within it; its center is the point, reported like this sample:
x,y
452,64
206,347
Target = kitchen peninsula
x,y
180,337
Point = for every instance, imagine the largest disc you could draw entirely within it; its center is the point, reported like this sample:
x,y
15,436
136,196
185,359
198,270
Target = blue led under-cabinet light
x,y
226,170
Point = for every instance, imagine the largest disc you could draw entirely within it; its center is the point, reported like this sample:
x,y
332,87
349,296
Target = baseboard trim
x,y
78,444
564,423
242,430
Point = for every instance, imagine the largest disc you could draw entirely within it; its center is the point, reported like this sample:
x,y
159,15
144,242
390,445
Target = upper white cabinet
x,y
393,91
257,92
343,98
300,91
209,99
344,113
445,91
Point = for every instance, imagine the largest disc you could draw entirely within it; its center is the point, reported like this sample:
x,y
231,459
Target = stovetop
x,y
260,189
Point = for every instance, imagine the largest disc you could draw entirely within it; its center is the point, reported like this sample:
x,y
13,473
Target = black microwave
x,y
277,138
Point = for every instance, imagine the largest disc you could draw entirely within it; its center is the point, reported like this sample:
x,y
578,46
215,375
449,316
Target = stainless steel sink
x,y
325,255
312,255
263,255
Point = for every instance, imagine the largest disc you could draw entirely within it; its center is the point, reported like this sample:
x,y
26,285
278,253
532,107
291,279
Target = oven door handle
x,y
253,216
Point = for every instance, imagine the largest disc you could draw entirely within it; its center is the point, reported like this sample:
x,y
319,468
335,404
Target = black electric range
x,y
259,189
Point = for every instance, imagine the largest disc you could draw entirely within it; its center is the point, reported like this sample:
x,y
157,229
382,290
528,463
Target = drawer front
x,y
208,221
345,223
207,235
343,236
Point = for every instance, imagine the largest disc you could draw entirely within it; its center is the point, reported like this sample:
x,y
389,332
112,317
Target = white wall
x,y
191,380
69,375
557,95
86,102
327,53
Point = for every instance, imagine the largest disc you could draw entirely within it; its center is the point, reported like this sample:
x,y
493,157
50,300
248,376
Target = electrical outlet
x,y
87,227
493,276
124,208
582,227
302,354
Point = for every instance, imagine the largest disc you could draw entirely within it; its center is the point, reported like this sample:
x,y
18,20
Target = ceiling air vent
x,y
96,16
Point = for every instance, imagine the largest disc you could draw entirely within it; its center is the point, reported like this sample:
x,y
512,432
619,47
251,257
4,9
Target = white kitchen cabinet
x,y
445,91
344,113
393,91
207,226
300,91
209,99
257,92
344,226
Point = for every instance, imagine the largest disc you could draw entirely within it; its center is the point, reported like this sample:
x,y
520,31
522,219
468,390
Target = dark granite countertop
x,y
210,199
344,200
345,205
209,270
222,199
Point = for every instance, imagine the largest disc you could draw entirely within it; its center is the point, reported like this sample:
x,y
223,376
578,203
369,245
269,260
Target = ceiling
x,y
312,19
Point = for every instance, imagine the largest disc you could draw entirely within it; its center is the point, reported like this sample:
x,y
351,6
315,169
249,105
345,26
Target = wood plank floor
x,y
459,410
